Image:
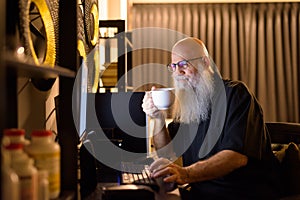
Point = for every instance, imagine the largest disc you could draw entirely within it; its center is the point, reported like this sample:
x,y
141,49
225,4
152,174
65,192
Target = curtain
x,y
257,43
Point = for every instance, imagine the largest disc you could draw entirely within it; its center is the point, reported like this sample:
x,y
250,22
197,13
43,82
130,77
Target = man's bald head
x,y
189,48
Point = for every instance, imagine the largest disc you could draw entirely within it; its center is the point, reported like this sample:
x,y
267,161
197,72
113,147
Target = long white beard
x,y
193,97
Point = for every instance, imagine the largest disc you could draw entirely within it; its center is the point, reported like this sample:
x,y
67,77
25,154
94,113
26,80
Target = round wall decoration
x,y
91,21
81,44
37,31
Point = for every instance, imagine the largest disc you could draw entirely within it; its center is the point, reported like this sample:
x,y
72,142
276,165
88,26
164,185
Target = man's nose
x,y
179,70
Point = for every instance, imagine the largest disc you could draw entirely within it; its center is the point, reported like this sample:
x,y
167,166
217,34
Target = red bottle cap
x,y
14,146
14,132
41,133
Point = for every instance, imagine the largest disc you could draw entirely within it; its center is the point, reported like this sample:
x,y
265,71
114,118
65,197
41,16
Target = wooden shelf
x,y
25,69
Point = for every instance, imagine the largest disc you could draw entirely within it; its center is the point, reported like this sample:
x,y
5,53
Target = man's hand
x,y
148,106
156,169
168,171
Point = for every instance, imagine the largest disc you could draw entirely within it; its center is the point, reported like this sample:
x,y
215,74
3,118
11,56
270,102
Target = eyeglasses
x,y
183,64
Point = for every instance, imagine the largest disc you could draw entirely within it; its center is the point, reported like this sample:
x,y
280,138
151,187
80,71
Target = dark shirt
x,y
244,132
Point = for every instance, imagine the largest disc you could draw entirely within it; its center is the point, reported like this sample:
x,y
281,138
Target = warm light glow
x,y
102,90
112,90
20,50
102,4
123,9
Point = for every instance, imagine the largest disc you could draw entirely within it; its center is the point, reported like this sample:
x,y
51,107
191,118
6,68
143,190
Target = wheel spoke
x,y
37,17
36,31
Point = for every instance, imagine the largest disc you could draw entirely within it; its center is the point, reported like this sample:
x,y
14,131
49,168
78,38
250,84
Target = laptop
x,y
118,119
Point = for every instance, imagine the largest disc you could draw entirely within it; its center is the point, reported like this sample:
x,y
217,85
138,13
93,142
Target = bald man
x,y
218,129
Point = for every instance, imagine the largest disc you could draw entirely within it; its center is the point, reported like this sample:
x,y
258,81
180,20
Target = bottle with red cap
x,y
46,154
16,152
15,135
22,164
10,181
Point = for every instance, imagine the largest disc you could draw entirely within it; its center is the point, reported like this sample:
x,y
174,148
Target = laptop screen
x,y
79,100
121,117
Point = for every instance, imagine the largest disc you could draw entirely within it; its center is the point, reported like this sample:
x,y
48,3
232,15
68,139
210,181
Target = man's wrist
x,y
187,174
158,115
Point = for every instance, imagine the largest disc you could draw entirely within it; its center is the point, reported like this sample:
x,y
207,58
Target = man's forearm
x,y
217,166
160,133
161,139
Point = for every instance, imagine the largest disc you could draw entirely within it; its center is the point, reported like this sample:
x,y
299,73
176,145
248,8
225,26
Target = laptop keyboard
x,y
138,174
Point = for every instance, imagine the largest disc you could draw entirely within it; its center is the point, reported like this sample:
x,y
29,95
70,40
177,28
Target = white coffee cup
x,y
163,98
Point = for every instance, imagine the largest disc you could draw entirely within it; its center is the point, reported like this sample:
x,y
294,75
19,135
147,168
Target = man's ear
x,y
206,61
206,64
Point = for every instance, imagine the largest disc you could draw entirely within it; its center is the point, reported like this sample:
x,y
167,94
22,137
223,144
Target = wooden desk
x,y
174,195
97,194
